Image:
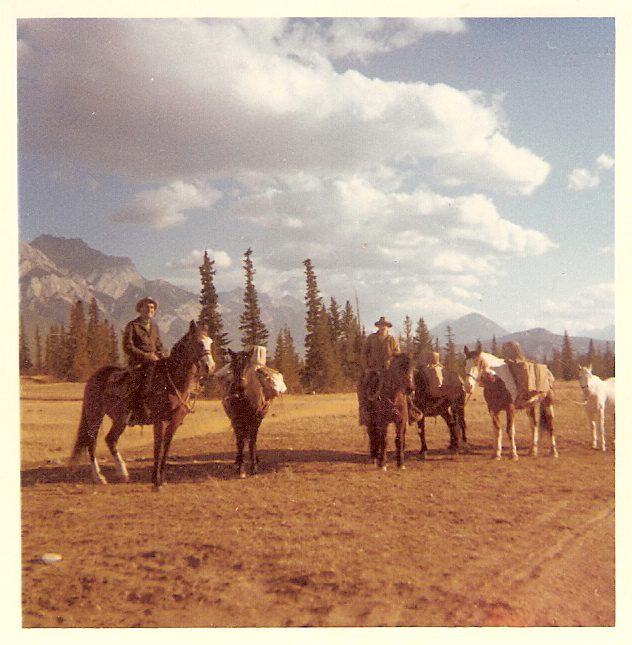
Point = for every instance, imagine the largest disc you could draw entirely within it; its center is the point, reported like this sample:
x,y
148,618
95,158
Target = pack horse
x,y
502,395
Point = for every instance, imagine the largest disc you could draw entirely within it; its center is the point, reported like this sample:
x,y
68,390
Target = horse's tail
x,y
92,412
546,412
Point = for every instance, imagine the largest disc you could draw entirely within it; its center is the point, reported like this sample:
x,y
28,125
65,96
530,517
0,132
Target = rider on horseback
x,y
379,349
142,344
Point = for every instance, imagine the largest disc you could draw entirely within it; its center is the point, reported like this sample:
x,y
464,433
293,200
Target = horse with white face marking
x,y
499,390
597,394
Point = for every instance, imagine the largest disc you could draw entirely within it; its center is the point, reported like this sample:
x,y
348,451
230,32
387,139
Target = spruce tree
x,y
422,340
335,322
79,363
313,304
209,314
406,337
350,347
567,359
494,349
287,361
609,367
24,352
451,360
39,359
253,330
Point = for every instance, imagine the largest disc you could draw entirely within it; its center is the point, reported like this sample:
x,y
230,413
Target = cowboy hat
x,y
142,301
382,322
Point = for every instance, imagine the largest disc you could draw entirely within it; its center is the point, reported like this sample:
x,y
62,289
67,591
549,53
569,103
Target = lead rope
x,y
189,408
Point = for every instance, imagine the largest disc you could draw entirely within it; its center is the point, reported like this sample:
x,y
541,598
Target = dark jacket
x,y
139,342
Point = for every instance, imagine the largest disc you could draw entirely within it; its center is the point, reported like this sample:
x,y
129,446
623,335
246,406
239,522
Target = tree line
x,y
334,338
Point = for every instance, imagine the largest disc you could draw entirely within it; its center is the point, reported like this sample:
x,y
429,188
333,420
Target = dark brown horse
x,y
245,405
450,406
386,404
494,375
107,393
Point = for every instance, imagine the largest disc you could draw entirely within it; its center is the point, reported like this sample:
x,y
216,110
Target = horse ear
x,y
231,353
590,368
192,326
466,351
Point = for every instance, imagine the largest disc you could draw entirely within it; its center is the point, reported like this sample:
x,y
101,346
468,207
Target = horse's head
x,y
585,374
197,347
473,368
239,363
402,367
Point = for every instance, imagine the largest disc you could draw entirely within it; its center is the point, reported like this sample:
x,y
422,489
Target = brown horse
x,y
450,406
245,405
494,375
387,404
106,393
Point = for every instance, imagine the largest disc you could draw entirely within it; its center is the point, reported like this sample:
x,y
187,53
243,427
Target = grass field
x,y
320,537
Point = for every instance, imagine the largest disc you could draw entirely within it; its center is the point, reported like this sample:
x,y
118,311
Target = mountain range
x,y
55,272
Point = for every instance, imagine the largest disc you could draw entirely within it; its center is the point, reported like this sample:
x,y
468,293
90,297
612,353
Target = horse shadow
x,y
187,468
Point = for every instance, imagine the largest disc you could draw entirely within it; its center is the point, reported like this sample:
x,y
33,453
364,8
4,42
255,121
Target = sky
x,y
427,167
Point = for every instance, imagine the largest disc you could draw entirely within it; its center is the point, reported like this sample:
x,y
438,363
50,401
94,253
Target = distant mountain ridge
x,y
56,272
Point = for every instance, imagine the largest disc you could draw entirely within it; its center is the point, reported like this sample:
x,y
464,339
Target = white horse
x,y
597,394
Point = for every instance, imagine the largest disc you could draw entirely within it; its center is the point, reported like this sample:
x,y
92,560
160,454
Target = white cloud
x,y
605,162
165,207
164,100
195,258
582,179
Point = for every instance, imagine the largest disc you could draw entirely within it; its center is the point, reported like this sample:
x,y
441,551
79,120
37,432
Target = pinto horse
x,y
597,394
106,393
450,406
494,375
388,404
245,405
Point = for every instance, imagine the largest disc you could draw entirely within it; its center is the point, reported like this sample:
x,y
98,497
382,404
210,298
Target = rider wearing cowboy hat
x,y
142,344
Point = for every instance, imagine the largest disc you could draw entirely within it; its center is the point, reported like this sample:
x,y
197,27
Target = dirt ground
x,y
322,538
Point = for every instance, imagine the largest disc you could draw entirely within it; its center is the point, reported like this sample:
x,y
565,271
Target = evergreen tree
x,y
113,357
591,357
209,314
253,330
350,347
406,337
24,352
335,322
422,340
98,338
567,359
608,361
555,364
287,361
494,349
451,360
437,347
321,371
39,358
79,363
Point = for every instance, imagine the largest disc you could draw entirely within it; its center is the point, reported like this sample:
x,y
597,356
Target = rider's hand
x,y
153,357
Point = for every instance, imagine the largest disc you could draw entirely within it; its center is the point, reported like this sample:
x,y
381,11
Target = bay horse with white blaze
x,y
387,404
450,406
107,393
597,394
245,405
494,375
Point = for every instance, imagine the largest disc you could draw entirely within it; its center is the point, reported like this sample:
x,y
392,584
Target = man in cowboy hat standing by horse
x,y
379,349
142,344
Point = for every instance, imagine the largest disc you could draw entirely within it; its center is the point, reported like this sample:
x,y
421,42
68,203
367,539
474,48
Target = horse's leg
x,y
423,448
602,424
535,431
380,434
400,441
169,431
155,475
95,471
450,422
111,439
511,430
239,460
252,449
495,416
547,420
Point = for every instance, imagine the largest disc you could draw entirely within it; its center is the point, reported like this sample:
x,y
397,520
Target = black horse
x,y
245,404
450,406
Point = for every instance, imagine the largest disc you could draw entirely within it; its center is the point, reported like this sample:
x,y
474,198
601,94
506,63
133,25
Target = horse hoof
x,y
242,475
514,457
402,467
497,457
422,456
533,453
